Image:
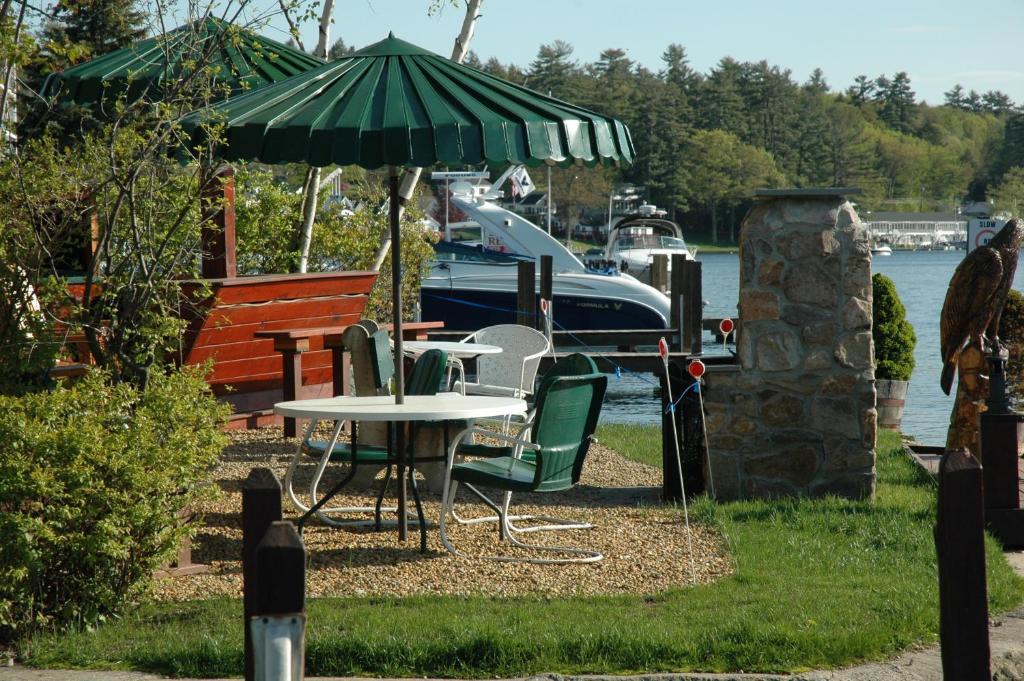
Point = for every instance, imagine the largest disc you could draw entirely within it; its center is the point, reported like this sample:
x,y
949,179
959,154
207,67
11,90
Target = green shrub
x,y
892,334
92,479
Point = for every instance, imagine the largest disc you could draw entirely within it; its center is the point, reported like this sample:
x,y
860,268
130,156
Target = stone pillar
x,y
796,414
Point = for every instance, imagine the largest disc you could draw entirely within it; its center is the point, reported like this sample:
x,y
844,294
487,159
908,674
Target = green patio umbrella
x,y
395,104
243,61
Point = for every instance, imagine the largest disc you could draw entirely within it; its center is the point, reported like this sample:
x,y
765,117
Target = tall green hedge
x,y
893,335
92,479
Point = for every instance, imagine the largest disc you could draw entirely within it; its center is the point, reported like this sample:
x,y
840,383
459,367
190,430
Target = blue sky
x,y
938,42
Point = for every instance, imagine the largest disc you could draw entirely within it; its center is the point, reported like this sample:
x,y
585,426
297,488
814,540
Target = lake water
x,y
921,279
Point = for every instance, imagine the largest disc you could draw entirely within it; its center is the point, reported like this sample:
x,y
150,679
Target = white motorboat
x,y
636,239
881,249
473,283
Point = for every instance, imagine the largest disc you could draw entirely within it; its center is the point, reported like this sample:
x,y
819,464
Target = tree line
x,y
706,140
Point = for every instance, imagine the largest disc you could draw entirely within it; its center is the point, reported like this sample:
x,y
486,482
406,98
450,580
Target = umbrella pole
x,y
396,281
396,301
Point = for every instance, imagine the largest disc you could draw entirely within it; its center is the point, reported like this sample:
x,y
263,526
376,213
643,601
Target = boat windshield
x,y
649,241
449,251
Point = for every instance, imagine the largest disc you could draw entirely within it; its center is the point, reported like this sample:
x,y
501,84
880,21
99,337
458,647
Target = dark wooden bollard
x,y
526,297
261,506
659,272
281,571
960,545
687,418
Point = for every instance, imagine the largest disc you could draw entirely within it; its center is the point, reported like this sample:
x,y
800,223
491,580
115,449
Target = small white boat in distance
x,y
636,239
881,249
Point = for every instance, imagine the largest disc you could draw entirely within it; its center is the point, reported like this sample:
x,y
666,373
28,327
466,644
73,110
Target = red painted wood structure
x,y
294,343
247,371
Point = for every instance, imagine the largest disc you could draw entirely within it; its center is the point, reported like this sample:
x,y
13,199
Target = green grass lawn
x,y
818,583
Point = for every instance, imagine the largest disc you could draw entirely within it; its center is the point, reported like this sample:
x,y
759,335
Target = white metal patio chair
x,y
510,373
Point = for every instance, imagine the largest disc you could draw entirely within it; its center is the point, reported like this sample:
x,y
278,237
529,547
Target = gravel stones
x,y
644,542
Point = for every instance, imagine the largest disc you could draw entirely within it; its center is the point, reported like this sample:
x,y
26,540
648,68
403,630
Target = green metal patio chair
x,y
576,364
549,459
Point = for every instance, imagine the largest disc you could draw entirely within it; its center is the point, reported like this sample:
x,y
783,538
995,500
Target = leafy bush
x,y
268,212
92,479
892,334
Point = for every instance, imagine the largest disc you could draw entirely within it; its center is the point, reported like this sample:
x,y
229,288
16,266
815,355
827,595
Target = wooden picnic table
x,y
291,343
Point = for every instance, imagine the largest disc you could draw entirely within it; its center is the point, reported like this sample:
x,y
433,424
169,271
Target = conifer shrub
x,y
93,477
893,336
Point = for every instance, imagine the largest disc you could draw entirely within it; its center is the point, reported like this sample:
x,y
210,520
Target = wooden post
x,y
217,198
526,298
960,545
1000,451
291,355
280,571
677,291
261,506
546,277
281,596
687,428
694,312
659,272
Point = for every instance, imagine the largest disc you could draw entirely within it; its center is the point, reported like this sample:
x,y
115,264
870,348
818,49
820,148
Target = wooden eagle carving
x,y
976,296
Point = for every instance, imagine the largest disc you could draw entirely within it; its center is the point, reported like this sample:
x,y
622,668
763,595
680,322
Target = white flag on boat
x,y
521,183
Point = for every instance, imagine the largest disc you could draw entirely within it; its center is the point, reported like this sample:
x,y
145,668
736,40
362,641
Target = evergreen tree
x,y
553,70
721,104
955,97
816,84
862,91
338,50
973,102
850,152
85,29
660,138
996,102
771,96
1011,148
678,71
897,106
614,85
471,59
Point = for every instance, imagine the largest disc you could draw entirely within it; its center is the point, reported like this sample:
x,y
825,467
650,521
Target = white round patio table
x,y
440,407
454,349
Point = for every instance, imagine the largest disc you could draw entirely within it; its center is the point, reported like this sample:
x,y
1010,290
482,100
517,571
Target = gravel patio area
x,y
644,542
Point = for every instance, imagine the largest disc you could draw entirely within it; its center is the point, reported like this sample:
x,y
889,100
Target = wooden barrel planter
x,y
891,397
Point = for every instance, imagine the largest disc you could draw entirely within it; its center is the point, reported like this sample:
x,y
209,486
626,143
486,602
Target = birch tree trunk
x,y
312,183
412,175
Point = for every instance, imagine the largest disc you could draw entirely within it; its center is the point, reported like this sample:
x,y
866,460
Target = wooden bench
x,y
291,343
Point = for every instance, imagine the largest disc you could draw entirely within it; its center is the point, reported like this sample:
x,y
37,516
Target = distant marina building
x,y
917,231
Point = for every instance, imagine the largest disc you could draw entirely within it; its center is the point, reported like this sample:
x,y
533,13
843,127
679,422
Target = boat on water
x,y
472,283
636,239
881,249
